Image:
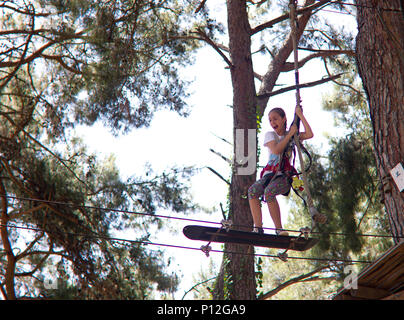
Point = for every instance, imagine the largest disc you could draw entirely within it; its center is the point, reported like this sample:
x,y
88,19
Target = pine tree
x,y
65,63
379,49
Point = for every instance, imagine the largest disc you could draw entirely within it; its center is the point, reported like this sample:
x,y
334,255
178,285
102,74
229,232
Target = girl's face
x,y
277,123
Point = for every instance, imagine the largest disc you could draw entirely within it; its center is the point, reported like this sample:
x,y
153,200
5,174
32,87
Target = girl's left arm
x,y
308,133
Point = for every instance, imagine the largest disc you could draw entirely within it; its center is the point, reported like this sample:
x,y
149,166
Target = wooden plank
x,y
395,277
221,235
369,293
346,296
395,296
385,256
386,272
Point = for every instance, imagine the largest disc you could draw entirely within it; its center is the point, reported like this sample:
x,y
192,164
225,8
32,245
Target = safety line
x,y
98,236
107,209
192,220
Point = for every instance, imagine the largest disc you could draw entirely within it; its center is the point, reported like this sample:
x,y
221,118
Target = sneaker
x,y
281,232
258,230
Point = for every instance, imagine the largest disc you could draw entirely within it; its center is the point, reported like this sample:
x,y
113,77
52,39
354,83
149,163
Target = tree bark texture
x,y
380,59
9,292
240,267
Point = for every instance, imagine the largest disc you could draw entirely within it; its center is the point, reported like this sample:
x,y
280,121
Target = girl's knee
x,y
270,193
254,192
269,197
279,186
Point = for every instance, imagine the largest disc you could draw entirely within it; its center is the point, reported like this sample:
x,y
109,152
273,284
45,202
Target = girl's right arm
x,y
277,148
308,133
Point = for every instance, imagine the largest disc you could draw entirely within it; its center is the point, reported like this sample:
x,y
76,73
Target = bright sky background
x,y
175,141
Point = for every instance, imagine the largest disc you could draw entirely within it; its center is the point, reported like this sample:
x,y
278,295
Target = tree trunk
x,y
380,58
9,292
237,278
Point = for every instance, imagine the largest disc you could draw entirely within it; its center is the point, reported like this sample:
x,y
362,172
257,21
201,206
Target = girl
x,y
276,141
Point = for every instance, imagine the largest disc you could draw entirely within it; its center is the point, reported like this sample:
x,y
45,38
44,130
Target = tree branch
x,y
283,17
339,83
49,151
35,269
30,13
304,85
13,177
26,252
23,31
221,156
28,59
48,253
40,51
201,5
289,66
19,63
219,175
258,76
215,46
292,281
21,213
199,283
62,63
57,157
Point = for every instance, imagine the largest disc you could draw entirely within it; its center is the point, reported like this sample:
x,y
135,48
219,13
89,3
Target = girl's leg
x,y
278,186
256,212
254,193
275,213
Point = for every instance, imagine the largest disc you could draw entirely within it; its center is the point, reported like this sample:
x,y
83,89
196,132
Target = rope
x,y
143,242
106,209
186,219
312,210
293,25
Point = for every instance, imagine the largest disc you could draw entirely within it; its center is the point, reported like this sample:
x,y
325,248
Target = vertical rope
x,y
316,216
293,25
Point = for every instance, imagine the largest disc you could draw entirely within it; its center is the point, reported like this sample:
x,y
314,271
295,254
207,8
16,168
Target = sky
x,y
172,140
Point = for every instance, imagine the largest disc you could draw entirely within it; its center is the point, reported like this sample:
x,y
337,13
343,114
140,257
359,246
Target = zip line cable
x,y
106,238
106,209
189,219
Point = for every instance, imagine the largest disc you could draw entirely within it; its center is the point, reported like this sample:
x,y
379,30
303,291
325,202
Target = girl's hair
x,y
280,112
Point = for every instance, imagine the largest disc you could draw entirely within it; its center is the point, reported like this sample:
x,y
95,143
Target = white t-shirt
x,y
273,159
